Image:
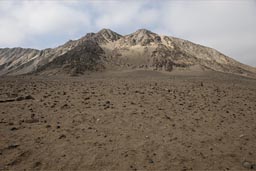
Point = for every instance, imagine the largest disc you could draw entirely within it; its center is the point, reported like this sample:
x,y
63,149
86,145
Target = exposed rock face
x,y
11,58
105,36
84,57
110,50
141,37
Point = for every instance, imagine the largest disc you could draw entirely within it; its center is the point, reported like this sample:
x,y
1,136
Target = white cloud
x,y
124,16
26,19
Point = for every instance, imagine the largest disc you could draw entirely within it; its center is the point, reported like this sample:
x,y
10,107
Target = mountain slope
x,y
11,58
84,57
145,49
110,50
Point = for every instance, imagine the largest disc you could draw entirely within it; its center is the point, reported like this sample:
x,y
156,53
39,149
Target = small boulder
x,y
14,129
29,97
248,165
62,136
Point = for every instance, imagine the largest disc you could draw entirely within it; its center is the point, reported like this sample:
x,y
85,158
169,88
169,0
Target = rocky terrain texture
x,y
142,49
136,120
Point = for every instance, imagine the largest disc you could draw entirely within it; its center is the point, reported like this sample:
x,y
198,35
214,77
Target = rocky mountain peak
x,y
143,31
106,31
104,36
107,35
143,37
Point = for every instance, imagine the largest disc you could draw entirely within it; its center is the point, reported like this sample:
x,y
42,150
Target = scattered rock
x,y
65,106
29,97
249,165
14,129
150,161
37,164
87,98
241,136
62,136
107,104
168,90
48,126
106,107
12,146
167,117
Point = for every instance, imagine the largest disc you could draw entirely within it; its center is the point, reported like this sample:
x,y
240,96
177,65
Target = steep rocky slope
x,y
84,57
141,49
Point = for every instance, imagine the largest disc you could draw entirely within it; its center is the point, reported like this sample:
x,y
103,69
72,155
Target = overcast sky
x,y
228,26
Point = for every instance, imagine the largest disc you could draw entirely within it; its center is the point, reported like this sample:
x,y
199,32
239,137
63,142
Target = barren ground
x,y
128,121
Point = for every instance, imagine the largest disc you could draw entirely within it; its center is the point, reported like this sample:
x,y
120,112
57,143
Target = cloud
x,y
25,20
123,16
228,26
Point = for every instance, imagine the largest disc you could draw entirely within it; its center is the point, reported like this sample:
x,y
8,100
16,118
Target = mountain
x,y
108,50
83,57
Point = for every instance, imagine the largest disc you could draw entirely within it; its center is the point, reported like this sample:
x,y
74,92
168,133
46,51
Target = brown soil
x,y
137,120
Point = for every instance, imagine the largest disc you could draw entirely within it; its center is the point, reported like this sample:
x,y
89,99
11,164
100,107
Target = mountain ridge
x,y
141,49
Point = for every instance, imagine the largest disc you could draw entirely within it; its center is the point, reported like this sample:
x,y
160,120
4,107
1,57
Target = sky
x,y
226,25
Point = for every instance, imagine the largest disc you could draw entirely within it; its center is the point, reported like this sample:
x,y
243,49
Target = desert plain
x,y
129,120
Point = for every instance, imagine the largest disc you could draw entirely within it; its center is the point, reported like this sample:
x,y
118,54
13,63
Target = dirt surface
x,y
128,121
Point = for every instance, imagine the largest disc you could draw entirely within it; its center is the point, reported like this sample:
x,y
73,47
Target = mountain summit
x,y
105,36
108,50
141,37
